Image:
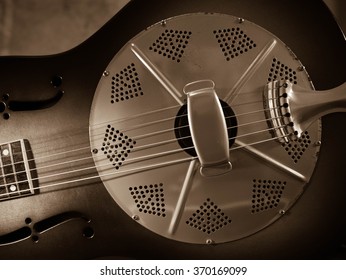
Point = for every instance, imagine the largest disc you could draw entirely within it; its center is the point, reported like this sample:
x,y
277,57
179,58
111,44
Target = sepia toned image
x,y
172,130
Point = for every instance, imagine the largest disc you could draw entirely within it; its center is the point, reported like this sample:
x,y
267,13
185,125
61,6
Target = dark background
x,y
34,27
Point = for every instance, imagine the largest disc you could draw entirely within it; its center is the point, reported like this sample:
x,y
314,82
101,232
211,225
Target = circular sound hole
x,y
183,134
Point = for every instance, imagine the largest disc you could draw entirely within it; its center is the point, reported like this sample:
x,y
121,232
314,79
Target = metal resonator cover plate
x,y
133,125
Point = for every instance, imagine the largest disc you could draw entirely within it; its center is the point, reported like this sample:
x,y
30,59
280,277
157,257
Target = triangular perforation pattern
x,y
208,218
126,85
297,148
280,71
116,146
266,194
172,44
149,199
233,42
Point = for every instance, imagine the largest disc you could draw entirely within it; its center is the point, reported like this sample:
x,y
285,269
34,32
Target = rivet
x,y
163,23
282,212
135,217
105,73
95,151
241,20
301,68
318,143
209,241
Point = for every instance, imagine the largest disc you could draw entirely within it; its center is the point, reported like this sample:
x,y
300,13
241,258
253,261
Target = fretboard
x,y
15,173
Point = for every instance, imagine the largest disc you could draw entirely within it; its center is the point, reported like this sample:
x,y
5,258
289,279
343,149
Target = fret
x,y
3,189
26,184
19,167
15,173
8,170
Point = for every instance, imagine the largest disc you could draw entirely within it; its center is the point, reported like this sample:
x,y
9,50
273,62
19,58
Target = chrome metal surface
x,y
147,170
208,128
293,109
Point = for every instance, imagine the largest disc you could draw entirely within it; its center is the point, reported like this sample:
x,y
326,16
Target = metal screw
x,y
301,68
209,241
135,217
163,23
282,212
106,73
318,143
95,151
241,20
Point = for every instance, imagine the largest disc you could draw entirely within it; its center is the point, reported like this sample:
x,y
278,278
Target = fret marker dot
x,y
5,152
13,188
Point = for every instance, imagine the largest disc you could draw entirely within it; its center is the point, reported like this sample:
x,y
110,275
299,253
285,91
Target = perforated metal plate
x,y
133,129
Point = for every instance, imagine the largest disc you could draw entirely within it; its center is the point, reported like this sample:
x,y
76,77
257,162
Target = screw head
x,y
282,212
241,20
135,217
318,143
95,151
209,241
105,73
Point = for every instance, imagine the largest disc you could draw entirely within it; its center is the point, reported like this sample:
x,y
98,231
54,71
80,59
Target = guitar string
x,y
189,136
179,127
137,137
155,111
184,115
142,136
135,159
172,107
139,148
177,106
134,150
139,169
119,121
143,125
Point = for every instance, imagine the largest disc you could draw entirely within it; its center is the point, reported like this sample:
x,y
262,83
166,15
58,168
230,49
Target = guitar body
x,y
48,103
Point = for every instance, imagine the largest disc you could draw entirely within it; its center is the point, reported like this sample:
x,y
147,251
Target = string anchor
x,y
292,109
208,128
